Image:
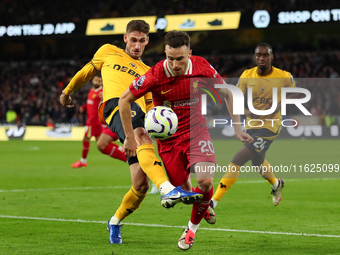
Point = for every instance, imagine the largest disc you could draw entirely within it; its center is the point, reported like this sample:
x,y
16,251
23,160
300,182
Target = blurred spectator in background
x,y
32,87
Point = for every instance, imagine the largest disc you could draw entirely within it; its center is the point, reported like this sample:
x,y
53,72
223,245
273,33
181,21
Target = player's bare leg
x,y
204,177
130,203
83,160
106,146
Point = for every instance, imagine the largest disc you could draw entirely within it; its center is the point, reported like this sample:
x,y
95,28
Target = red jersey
x,y
181,93
91,107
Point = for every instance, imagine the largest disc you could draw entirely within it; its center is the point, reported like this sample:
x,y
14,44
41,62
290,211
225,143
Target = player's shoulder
x,y
279,73
110,48
198,60
249,73
159,68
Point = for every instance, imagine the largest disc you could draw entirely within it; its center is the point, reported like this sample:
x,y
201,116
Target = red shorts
x,y
97,130
93,131
179,155
108,131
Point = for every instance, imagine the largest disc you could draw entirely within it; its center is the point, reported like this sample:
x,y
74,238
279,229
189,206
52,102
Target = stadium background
x,y
35,68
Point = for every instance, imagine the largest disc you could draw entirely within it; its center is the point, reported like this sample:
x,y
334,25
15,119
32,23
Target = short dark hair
x,y
176,39
264,45
138,25
99,74
118,44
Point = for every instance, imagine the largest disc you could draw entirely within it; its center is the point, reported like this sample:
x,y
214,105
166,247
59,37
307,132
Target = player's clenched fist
x,y
66,100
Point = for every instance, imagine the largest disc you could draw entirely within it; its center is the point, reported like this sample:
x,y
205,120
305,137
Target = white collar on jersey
x,y
97,88
170,73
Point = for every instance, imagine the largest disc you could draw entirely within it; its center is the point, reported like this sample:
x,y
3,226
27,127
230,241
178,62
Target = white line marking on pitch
x,y
70,188
167,226
125,187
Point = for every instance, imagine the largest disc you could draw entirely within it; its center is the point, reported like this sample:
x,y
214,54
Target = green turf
x,y
37,181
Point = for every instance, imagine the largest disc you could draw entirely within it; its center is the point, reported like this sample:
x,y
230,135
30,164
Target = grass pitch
x,y
47,207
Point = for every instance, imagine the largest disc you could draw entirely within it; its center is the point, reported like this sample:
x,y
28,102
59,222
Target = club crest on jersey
x,y
263,90
133,65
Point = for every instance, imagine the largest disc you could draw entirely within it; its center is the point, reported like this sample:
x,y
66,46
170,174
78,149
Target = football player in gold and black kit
x,y
264,129
119,68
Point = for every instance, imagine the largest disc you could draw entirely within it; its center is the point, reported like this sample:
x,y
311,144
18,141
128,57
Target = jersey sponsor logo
x,y
262,100
164,92
125,69
89,101
187,102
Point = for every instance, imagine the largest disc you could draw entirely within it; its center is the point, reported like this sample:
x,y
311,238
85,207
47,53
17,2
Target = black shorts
x,y
263,138
115,124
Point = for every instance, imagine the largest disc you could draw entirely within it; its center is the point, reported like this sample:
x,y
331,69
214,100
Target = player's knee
x,y
141,187
205,184
101,146
142,137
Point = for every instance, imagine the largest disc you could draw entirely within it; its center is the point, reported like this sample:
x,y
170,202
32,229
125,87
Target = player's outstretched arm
x,y
79,80
228,97
130,144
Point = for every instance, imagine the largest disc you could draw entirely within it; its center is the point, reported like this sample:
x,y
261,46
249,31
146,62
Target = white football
x,y
161,122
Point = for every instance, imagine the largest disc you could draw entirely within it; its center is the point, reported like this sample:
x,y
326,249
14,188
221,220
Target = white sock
x,y
275,185
166,187
193,227
83,160
214,202
114,220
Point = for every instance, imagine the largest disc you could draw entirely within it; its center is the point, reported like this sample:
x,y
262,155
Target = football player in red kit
x,y
171,82
104,136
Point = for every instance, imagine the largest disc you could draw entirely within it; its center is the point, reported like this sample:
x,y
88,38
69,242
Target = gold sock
x,y
227,181
268,173
130,203
150,164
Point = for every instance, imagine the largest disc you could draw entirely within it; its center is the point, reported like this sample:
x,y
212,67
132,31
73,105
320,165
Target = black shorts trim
x,y
116,124
261,143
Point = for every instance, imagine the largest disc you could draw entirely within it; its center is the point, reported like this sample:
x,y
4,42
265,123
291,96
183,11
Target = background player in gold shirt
x,y
262,79
119,68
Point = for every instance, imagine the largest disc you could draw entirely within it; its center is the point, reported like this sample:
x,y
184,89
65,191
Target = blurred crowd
x,y
32,89
39,11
